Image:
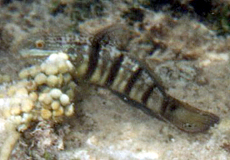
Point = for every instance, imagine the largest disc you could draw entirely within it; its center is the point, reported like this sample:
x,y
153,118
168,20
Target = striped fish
x,y
99,62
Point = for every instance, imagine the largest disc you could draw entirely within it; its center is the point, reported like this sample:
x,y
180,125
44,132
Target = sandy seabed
x,y
191,59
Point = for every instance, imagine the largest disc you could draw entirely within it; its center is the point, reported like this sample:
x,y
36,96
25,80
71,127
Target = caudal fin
x,y
188,118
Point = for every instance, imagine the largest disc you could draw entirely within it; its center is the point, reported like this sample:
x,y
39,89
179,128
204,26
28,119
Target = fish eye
x,y
187,125
40,44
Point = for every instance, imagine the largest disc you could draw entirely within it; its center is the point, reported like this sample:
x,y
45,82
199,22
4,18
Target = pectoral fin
x,y
188,118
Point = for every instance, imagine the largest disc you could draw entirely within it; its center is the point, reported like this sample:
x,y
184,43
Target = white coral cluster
x,y
44,92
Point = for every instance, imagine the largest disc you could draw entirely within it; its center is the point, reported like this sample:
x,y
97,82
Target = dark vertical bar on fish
x,y
133,81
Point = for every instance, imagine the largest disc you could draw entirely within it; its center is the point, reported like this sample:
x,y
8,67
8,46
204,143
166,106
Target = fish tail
x,y
186,117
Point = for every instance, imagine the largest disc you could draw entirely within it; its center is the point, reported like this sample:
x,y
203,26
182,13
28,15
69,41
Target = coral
x,y
10,142
44,92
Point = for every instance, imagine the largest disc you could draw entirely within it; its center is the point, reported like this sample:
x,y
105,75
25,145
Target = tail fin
x,y
188,118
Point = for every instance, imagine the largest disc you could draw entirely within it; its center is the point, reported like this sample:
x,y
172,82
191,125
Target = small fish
x,y
100,62
106,66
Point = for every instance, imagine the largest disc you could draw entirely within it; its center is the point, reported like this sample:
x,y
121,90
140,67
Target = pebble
x,y
55,93
45,98
22,92
33,71
33,96
51,70
31,86
24,74
64,99
52,80
15,110
55,105
62,67
46,114
40,78
27,105
69,110
48,99
58,112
